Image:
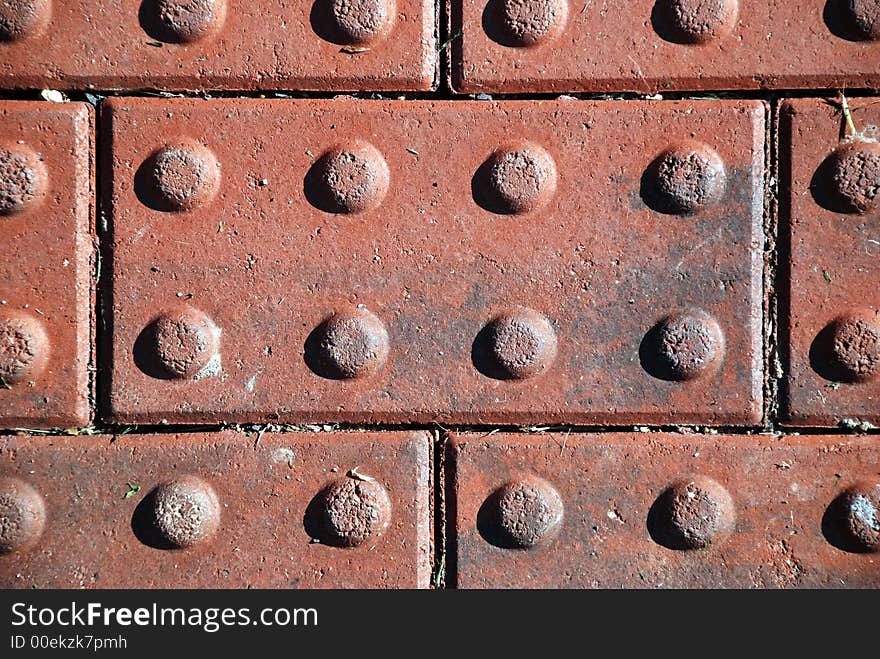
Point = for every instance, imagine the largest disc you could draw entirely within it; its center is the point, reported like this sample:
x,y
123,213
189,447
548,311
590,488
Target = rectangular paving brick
x,y
648,47
325,45
46,237
829,203
358,261
223,510
663,510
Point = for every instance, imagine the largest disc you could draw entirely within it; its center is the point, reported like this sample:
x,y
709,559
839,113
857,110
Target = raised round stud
x,y
23,178
20,19
185,511
352,345
687,178
684,346
24,347
520,344
362,21
519,179
186,21
184,176
864,17
530,22
857,516
350,179
184,342
855,176
698,21
527,512
695,513
22,515
355,511
854,343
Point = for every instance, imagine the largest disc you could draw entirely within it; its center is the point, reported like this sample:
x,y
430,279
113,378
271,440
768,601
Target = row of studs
x,y
346,513
524,513
691,514
519,23
184,343
188,21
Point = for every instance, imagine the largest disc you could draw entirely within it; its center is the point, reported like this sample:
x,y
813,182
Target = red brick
x,y
83,44
663,510
633,46
416,261
108,509
46,237
831,229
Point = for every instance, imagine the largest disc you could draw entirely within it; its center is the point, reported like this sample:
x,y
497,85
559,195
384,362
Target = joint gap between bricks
x,y
442,93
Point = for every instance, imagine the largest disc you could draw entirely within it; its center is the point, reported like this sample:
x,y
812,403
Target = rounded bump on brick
x,y
852,348
20,19
863,17
354,510
184,176
855,516
183,343
525,23
352,178
693,513
182,21
518,344
185,512
362,22
22,515
695,22
23,179
854,169
516,179
348,345
24,347
685,178
524,513
683,346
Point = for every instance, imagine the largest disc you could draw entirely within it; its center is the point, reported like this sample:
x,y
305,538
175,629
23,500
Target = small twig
x,y
847,114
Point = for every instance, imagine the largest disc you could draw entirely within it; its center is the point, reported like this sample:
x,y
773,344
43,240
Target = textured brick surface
x,y
217,510
663,510
221,44
645,46
413,261
46,270
830,219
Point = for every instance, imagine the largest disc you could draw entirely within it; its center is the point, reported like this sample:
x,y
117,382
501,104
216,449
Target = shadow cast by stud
x,y
489,524
324,24
313,521
651,195
148,17
315,358
658,523
836,21
481,190
316,191
143,525
145,357
822,359
831,527
482,356
664,27
822,188
145,187
493,24
650,349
